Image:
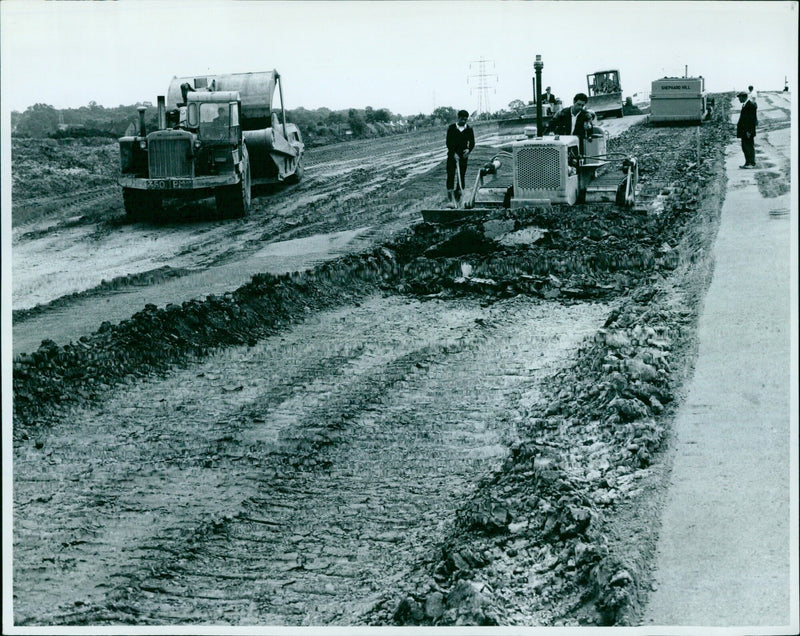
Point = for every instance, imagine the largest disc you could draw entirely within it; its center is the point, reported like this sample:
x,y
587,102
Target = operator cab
x,y
214,115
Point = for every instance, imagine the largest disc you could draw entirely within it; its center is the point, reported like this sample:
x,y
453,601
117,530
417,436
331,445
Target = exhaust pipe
x,y
538,65
162,113
142,128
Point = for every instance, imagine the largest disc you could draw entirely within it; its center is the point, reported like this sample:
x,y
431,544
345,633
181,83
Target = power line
x,y
484,82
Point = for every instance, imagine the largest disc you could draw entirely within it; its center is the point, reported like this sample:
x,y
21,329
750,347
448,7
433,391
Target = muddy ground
x,y
442,425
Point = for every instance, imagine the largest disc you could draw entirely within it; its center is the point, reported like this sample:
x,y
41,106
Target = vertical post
x,y
538,65
283,111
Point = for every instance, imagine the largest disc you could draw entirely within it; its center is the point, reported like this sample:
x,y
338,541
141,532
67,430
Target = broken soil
x,y
556,527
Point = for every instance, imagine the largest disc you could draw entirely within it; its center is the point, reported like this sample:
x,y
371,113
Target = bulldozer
x,y
548,170
605,93
527,115
217,135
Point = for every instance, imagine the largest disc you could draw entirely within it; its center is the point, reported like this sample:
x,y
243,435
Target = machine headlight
x,y
143,144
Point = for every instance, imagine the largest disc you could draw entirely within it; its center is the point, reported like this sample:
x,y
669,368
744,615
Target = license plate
x,y
168,184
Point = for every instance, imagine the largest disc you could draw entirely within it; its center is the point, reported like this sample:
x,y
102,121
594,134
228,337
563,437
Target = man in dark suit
x,y
575,120
460,142
746,129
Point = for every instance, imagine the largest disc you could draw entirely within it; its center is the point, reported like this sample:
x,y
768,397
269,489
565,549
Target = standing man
x,y
575,120
548,102
746,129
460,142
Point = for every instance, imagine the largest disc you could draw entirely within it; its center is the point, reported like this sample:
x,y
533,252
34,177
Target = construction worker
x,y
575,120
460,142
746,128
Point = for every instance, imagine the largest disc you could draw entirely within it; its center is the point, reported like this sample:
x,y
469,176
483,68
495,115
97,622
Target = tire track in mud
x,y
362,193
149,529
297,475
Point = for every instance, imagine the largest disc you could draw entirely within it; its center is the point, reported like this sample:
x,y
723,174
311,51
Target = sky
x,y
409,57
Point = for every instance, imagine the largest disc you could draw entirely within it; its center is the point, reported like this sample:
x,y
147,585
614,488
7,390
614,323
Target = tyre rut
x,y
362,454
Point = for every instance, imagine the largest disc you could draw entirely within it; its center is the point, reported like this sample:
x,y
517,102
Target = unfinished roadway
x,y
416,426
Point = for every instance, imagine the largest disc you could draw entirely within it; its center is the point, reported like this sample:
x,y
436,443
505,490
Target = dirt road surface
x,y
330,413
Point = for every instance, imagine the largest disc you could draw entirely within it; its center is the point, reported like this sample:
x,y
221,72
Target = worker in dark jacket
x,y
460,142
575,120
746,129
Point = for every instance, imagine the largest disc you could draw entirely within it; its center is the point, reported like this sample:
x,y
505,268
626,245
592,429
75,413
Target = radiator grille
x,y
538,168
170,157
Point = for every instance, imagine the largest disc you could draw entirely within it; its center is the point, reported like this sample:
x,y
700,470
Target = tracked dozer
x,y
526,117
605,93
546,171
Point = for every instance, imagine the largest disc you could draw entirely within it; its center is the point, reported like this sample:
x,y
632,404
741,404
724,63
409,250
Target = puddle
x,y
302,253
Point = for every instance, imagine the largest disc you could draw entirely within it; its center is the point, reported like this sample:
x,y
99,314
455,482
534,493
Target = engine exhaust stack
x,y
142,128
162,113
538,65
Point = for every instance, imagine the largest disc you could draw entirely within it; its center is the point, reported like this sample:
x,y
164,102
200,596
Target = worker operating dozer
x,y
568,165
460,142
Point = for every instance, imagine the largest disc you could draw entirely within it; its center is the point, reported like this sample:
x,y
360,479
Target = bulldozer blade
x,y
605,105
444,216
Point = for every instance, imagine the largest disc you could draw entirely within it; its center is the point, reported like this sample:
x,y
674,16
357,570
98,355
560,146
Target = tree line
x,y
318,127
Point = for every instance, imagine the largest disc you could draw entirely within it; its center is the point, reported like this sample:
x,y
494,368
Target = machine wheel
x,y
581,198
233,202
141,204
619,113
297,174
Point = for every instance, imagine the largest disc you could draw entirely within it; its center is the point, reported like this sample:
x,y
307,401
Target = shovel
x,y
459,195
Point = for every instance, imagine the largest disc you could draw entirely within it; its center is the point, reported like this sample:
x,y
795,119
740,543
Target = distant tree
x,y
383,115
356,122
445,113
39,120
516,104
336,119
